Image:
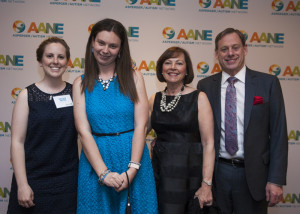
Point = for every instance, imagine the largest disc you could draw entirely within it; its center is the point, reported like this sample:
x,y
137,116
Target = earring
x,y
119,55
92,49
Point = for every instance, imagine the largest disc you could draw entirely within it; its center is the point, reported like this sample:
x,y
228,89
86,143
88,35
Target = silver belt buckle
x,y
232,163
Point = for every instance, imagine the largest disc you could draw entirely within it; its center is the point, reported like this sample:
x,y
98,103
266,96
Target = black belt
x,y
111,134
233,162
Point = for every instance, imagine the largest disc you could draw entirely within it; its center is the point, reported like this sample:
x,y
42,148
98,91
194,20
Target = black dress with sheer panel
x,y
51,155
177,154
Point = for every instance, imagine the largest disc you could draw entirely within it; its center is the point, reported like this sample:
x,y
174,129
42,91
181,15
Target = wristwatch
x,y
134,165
208,183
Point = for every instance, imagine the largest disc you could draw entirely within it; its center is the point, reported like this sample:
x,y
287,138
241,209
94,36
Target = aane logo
x,y
153,2
146,66
152,134
276,38
4,126
18,26
77,62
46,28
204,3
288,71
133,65
291,198
131,31
4,192
15,93
169,33
14,60
216,69
275,69
245,34
225,4
264,39
202,67
131,1
278,5
294,135
90,28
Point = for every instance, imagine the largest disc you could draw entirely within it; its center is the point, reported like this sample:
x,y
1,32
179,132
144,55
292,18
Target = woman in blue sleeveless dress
x,y
110,108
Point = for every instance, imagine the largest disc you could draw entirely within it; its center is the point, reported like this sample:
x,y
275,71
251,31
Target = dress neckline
x,y
49,93
182,94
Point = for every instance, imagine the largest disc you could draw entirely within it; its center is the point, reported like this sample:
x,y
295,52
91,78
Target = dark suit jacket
x,y
265,129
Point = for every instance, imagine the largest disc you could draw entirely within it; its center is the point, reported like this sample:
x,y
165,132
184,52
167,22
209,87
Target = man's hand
x,y
274,194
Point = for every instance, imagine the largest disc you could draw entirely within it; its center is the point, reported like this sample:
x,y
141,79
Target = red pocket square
x,y
258,100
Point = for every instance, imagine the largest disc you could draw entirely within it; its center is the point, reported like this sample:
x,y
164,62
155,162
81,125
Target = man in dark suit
x,y
250,130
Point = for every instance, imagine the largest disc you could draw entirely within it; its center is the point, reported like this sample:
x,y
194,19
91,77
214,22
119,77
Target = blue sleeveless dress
x,y
110,112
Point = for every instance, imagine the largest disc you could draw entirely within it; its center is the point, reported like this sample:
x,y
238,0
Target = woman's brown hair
x,y
171,53
41,49
124,67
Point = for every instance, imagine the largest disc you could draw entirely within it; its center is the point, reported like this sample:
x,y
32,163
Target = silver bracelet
x,y
103,176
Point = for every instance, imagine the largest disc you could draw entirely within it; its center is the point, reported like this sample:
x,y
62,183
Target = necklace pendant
x,y
105,83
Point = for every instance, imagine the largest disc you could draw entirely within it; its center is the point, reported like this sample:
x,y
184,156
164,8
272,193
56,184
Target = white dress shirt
x,y
240,96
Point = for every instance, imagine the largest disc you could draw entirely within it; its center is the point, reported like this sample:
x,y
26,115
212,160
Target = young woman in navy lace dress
x,y
44,148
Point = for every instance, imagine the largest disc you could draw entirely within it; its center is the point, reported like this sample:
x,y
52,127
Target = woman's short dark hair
x,y
41,49
171,53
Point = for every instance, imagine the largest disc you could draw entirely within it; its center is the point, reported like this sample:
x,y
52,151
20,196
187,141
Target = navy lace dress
x,y
51,155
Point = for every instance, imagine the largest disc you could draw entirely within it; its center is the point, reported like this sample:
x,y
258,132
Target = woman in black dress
x,y
183,156
44,149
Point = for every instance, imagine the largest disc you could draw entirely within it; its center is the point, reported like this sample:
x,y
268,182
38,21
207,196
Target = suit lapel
x,y
217,98
249,96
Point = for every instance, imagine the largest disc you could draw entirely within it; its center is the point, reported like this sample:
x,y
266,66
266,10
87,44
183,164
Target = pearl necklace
x,y
163,102
105,83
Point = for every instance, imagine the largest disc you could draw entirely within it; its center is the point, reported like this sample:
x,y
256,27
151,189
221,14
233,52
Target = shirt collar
x,y
241,75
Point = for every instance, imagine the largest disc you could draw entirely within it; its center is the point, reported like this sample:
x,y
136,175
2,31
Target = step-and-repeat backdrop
x,y
271,28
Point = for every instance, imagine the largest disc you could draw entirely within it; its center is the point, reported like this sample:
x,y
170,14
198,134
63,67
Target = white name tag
x,y
63,101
